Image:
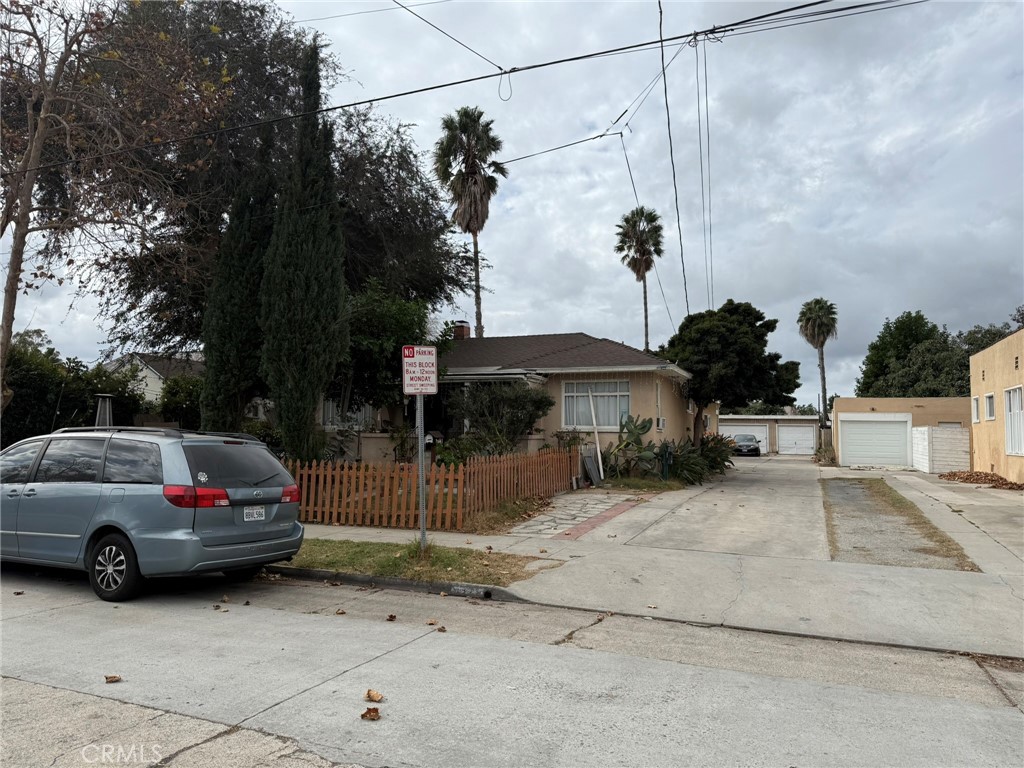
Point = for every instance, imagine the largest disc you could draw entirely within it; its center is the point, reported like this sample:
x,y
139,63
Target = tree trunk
x,y
647,342
824,390
476,289
698,425
15,264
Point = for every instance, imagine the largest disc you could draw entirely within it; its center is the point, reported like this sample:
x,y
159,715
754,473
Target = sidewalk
x,y
653,575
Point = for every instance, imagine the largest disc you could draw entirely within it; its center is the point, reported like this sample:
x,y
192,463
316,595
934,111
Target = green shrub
x,y
716,451
688,465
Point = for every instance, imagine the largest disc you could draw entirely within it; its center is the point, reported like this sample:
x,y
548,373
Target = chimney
x,y
461,330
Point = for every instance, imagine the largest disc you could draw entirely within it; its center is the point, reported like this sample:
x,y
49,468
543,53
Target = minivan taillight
x,y
187,497
289,494
212,497
183,496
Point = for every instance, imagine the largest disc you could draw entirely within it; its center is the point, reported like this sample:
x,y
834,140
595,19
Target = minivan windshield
x,y
234,465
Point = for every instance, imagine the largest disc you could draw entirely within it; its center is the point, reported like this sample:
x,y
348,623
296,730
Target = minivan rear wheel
x,y
114,569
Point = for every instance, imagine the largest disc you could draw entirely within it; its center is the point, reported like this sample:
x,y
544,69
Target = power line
x,y
628,168
714,32
700,149
561,146
475,53
672,157
707,128
361,13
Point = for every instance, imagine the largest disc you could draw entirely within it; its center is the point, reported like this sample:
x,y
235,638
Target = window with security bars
x,y
611,403
1015,421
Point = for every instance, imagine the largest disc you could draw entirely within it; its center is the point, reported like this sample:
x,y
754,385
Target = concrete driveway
x,y
771,507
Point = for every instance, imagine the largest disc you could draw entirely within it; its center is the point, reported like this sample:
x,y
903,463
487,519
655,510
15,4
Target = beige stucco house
x,y
997,416
587,378
878,431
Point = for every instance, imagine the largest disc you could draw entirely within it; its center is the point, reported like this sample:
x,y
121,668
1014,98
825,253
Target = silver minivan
x,y
126,503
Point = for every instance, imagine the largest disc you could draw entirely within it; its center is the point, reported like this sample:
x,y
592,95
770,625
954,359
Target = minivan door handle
x,y
30,492
12,494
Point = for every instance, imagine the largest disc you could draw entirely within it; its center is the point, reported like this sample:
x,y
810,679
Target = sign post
x,y
419,377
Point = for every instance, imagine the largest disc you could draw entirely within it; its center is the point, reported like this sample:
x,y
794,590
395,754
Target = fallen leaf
x,y
543,551
361,589
334,583
112,678
468,541
20,592
225,599
397,555
372,695
225,611
339,612
371,713
652,606
431,622
246,603
391,617
441,629
444,594
566,533
489,548
448,568
216,607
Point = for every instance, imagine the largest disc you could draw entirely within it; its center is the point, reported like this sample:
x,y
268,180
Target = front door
x,y
58,504
15,465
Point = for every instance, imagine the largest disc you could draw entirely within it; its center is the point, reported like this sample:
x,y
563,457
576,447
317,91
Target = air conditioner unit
x,y
662,423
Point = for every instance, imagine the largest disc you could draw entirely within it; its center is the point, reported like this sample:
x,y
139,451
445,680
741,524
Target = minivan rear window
x,y
223,465
133,462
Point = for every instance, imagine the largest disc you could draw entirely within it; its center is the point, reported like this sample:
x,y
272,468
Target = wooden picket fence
x,y
385,495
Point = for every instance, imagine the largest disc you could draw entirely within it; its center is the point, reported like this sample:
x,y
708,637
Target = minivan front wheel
x,y
114,569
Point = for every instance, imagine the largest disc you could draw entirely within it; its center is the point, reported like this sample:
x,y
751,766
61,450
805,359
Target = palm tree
x,y
639,242
817,323
463,164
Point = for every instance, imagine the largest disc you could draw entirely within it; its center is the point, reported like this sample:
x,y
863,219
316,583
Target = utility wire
x,y
562,146
707,128
628,168
672,157
431,24
360,13
714,32
700,149
836,15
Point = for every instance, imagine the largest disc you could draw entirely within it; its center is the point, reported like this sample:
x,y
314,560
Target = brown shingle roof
x,y
549,352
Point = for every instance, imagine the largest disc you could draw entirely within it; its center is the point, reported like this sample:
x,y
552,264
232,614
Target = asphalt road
x,y
280,682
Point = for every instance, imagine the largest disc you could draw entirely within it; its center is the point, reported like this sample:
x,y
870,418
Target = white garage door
x,y
760,431
796,439
873,443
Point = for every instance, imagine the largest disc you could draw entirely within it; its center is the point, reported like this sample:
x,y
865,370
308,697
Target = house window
x,y
1015,421
990,407
611,403
975,411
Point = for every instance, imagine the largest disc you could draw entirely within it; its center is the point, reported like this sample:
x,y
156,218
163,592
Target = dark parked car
x,y
125,503
746,445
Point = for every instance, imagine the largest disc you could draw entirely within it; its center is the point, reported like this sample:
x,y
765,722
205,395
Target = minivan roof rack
x,y
241,435
169,431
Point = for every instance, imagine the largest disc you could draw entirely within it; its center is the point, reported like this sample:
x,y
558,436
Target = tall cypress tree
x,y
305,333
232,338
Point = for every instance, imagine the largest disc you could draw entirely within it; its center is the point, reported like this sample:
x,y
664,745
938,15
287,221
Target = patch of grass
x,y
644,484
404,561
830,523
505,516
945,546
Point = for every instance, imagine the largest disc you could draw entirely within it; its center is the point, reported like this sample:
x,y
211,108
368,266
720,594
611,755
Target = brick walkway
x,y
576,513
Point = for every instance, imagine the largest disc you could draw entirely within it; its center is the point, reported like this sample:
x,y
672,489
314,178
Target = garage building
x,y
785,435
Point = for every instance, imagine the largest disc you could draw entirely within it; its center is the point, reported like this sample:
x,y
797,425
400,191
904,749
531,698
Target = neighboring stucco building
x,y
876,431
997,396
586,377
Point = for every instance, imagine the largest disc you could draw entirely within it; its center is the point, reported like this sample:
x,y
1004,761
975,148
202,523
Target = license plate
x,y
254,513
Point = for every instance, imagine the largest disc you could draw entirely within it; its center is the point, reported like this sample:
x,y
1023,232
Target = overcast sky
x,y
875,160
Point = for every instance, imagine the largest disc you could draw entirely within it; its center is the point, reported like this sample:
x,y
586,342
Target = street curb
x,y
454,588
